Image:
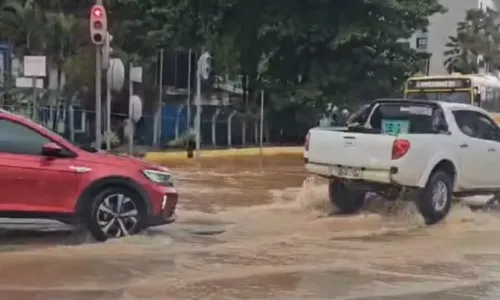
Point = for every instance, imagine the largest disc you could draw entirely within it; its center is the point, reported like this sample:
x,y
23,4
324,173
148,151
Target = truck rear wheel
x,y
434,201
347,200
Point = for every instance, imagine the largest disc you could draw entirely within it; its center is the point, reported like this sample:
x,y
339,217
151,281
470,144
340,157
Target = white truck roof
x,y
455,106
443,104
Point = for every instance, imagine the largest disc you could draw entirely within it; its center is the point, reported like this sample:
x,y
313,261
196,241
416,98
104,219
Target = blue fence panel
x,y
168,118
145,129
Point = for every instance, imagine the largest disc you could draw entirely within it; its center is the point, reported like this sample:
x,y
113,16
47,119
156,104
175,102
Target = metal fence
x,y
221,127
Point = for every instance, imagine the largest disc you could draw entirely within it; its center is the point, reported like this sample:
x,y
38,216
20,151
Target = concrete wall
x,y
444,25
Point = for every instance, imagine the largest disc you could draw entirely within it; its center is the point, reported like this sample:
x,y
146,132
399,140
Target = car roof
x,y
10,114
443,104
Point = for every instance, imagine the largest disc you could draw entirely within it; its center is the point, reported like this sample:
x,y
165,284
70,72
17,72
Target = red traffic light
x,y
97,12
98,24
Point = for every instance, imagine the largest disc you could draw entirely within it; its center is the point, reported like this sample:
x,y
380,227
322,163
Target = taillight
x,y
400,148
306,144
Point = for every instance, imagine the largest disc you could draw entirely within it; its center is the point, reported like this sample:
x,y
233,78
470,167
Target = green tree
x,y
477,36
63,35
318,51
22,22
301,52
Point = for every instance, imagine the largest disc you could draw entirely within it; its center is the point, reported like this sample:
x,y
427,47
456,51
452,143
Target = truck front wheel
x,y
347,200
434,201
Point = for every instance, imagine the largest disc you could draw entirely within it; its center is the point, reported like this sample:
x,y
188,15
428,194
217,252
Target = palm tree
x,y
63,36
22,22
478,35
460,57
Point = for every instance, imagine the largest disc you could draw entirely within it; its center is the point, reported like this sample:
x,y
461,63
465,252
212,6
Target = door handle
x,y
492,150
464,146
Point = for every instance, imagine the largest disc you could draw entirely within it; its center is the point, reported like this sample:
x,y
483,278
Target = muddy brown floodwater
x,y
251,233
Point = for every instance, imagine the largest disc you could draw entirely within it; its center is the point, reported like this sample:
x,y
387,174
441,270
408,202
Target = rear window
x,y
398,118
360,116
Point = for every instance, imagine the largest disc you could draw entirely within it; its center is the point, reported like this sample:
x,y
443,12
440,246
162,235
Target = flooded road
x,y
251,233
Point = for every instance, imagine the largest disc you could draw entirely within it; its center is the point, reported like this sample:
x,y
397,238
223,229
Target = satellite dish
x,y
135,108
205,65
116,74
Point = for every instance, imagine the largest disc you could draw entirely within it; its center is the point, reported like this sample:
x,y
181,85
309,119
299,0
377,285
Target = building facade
x,y
441,27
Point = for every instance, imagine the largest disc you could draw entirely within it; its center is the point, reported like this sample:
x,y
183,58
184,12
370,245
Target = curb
x,y
179,156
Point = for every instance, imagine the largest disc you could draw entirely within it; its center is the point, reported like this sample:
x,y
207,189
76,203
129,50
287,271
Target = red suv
x,y
44,176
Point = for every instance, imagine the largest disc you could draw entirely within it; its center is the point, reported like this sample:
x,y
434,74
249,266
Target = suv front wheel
x,y
115,213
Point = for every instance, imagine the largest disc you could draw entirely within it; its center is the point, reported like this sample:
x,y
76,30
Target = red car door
x,y
29,181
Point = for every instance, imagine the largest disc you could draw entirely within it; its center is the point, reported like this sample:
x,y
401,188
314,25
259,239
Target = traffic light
x,y
98,24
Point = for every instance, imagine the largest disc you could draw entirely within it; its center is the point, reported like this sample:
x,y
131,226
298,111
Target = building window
x,y
422,43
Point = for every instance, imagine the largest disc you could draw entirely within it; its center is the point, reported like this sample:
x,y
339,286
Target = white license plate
x,y
349,172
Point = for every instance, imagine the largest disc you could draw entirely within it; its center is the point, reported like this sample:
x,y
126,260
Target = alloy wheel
x,y
439,196
117,215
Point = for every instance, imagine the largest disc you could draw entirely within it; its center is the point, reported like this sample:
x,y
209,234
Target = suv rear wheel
x,y
116,212
347,200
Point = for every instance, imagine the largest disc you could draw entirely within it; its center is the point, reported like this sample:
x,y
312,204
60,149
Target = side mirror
x,y
477,99
51,150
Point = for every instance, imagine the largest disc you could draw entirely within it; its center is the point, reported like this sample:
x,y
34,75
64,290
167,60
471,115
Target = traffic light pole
x,y
198,113
98,100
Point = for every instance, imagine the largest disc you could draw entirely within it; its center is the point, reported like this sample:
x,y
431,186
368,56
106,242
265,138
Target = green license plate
x,y
395,127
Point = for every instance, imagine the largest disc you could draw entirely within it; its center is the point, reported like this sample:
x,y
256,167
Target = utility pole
x,y
106,50
157,118
204,68
130,111
98,32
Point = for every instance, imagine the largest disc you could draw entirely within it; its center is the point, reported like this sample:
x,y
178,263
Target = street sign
x,y
26,82
35,66
136,74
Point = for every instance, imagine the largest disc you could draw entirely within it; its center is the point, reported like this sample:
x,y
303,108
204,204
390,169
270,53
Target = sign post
x,y
157,118
109,76
35,67
134,106
203,72
261,133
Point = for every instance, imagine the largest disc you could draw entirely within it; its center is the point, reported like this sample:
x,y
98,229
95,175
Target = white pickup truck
x,y
426,150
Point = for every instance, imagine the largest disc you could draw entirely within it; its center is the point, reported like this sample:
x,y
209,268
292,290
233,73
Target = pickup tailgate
x,y
350,149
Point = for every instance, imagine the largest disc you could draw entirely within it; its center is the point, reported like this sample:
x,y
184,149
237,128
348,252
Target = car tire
x,y
434,201
347,200
116,212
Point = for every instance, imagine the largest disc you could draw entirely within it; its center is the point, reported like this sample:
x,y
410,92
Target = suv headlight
x,y
159,177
